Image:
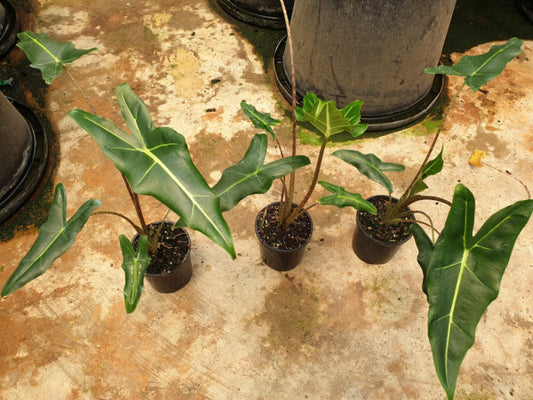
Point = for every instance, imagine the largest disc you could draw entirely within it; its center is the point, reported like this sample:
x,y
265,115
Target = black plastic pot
x,y
374,51
263,13
280,259
9,26
370,249
176,276
24,155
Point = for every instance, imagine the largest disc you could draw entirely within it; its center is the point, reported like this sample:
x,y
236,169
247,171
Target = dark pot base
x,y
34,171
9,26
280,259
272,18
376,123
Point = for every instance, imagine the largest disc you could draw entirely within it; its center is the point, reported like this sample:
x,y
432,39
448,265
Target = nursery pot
x,y
24,155
278,258
370,249
374,51
9,26
178,271
263,13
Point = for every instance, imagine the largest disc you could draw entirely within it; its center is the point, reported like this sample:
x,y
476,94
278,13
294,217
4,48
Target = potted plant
x,y
153,161
376,237
462,271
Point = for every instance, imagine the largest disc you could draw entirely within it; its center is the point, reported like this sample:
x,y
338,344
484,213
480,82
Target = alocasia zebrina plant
x,y
153,161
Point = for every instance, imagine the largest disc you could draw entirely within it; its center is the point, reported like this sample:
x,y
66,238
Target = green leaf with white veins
x,y
480,69
55,237
251,175
328,119
463,275
370,166
48,55
342,198
134,264
157,163
260,120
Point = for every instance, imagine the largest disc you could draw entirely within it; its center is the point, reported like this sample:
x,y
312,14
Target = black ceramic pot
x,y
263,13
176,276
370,249
276,258
374,51
9,26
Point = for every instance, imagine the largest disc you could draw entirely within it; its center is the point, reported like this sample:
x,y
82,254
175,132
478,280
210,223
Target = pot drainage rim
x,y
271,21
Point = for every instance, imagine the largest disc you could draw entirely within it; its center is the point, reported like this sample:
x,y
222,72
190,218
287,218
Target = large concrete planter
x,y
24,155
9,26
374,51
263,13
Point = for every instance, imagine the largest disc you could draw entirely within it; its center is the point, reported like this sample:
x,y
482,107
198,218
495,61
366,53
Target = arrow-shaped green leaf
x,y
156,162
251,175
480,69
48,55
260,120
328,119
463,277
55,237
342,198
134,264
370,166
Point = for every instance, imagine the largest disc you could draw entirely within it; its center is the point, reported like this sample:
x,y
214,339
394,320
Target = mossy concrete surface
x,y
332,328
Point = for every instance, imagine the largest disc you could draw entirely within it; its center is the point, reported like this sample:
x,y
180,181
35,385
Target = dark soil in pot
x,y
170,269
282,249
375,242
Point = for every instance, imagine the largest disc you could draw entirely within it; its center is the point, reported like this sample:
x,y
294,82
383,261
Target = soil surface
x,y
375,227
271,232
172,247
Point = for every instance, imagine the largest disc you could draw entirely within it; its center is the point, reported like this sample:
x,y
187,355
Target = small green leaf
x,y
134,264
260,120
55,237
328,119
48,55
251,175
463,277
480,69
433,167
342,198
370,166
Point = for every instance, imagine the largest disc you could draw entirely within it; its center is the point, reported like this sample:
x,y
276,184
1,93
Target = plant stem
x,y
137,228
85,97
286,205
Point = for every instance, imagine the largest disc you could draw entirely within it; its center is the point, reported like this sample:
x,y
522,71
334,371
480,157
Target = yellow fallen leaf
x,y
475,158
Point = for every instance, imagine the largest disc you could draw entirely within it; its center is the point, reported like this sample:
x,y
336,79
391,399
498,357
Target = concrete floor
x,y
334,327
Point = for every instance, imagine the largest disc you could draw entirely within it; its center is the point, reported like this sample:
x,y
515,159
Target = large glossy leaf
x,y
370,166
251,175
48,55
480,69
433,167
463,277
342,198
134,264
156,162
328,119
260,120
55,237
